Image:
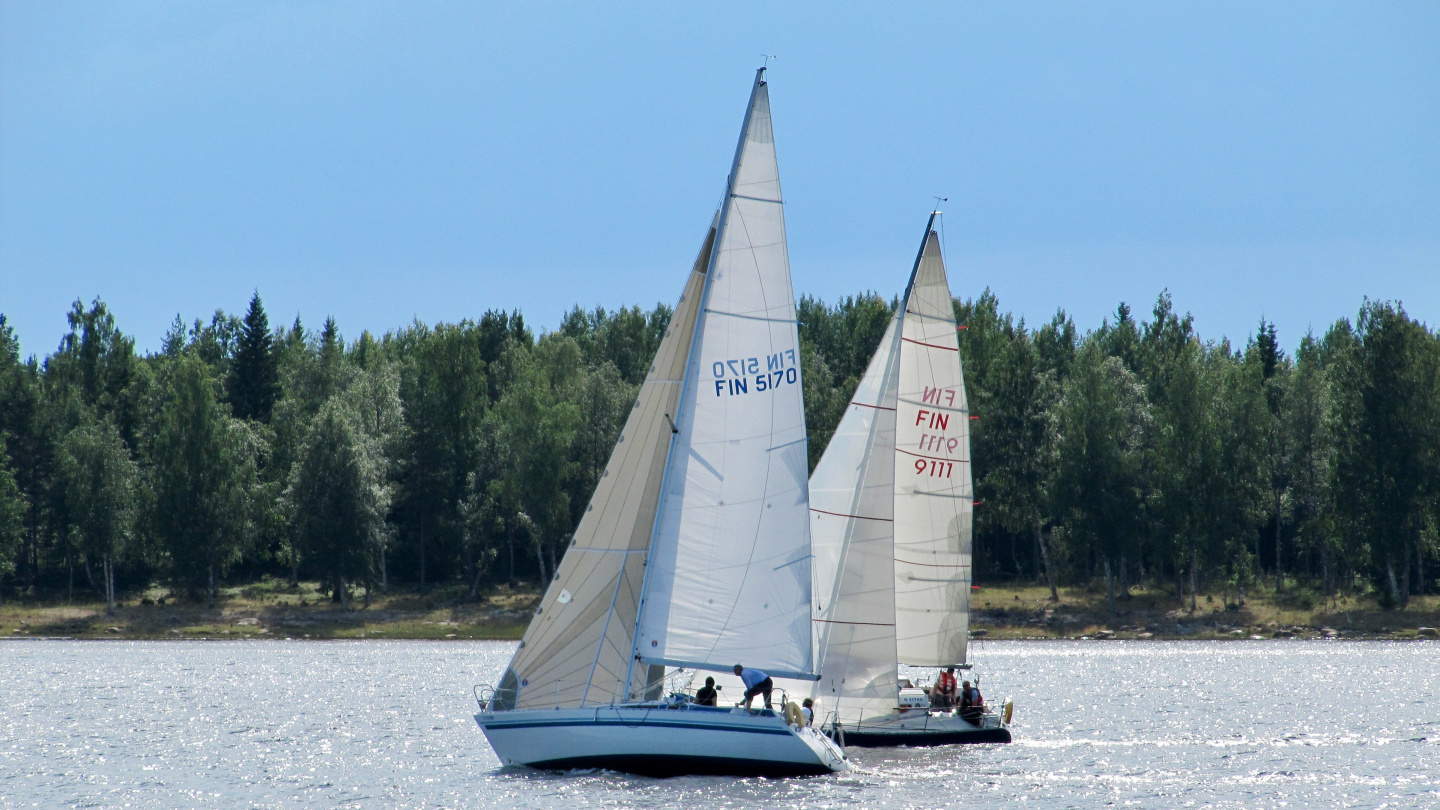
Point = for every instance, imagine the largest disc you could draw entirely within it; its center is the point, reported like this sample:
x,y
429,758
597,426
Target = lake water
x,y
388,724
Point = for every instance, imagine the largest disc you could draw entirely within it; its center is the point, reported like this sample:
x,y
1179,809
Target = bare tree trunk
x,y
1194,579
1419,570
540,559
1045,558
294,564
1405,584
422,549
1124,579
109,587
1279,572
1390,571
1109,587
211,589
344,596
510,554
384,571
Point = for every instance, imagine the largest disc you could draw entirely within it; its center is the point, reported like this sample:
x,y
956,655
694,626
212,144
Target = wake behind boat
x,y
695,549
891,505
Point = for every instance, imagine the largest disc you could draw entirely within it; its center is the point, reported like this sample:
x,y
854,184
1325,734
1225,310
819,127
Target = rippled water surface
x,y
388,724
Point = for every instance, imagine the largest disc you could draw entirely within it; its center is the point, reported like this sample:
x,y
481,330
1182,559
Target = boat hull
x,y
925,730
660,741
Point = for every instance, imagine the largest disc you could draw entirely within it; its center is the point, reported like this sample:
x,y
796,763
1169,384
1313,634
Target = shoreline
x,y
277,610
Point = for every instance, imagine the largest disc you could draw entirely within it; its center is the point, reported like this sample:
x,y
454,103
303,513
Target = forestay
x,y
933,495
729,577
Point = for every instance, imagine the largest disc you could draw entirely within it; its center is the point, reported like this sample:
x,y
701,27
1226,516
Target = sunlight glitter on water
x,y
388,724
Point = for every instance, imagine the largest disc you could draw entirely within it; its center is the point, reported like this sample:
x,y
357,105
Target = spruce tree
x,y
254,379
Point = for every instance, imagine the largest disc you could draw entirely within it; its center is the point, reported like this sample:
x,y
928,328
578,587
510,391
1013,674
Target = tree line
x,y
463,454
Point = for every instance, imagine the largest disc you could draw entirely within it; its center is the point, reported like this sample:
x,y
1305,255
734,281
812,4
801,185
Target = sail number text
x,y
742,375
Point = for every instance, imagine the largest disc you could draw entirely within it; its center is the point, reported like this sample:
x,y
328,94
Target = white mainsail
x,y
933,494
729,579
891,509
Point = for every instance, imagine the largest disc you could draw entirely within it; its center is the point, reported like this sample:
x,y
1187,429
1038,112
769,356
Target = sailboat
x,y
694,552
891,505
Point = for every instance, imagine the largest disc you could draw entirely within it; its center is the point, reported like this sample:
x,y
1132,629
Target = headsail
x,y
577,649
933,494
852,522
729,577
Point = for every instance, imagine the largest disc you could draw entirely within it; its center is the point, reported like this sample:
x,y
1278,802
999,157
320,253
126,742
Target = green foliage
x,y
12,515
455,455
254,380
203,476
338,495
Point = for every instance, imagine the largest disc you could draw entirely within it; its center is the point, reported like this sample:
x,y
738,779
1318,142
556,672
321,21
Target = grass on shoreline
x,y
1023,610
271,608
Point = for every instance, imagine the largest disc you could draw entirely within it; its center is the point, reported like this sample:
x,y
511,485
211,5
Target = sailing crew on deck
x,y
972,704
756,683
944,692
807,711
709,695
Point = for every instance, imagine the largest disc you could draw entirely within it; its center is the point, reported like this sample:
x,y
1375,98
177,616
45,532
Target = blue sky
x,y
382,161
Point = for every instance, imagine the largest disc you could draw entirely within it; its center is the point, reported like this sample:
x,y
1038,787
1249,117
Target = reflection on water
x,y
388,724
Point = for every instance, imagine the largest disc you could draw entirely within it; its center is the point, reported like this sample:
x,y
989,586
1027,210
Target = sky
x,y
381,162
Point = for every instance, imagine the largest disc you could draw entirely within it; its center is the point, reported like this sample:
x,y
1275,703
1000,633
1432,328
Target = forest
x,y
1136,454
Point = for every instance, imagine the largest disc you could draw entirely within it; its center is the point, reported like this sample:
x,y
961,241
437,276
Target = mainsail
x,y
729,578
891,508
933,494
701,514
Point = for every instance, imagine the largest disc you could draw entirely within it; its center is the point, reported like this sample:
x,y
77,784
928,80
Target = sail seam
x,y
868,405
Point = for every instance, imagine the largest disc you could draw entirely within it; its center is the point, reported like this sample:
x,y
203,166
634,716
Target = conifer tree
x,y
254,381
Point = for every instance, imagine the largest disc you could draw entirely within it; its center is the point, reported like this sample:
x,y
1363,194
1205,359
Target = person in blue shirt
x,y
756,683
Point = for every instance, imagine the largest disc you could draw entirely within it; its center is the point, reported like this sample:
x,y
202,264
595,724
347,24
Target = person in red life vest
x,y
943,695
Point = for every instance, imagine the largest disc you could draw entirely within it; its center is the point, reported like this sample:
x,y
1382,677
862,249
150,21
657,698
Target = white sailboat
x,y
694,551
891,506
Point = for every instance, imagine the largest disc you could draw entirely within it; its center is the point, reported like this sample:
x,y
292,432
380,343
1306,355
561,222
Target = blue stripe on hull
x,y
862,739
633,724
668,765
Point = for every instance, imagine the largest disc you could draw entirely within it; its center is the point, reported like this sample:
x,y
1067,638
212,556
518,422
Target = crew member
x,y
709,695
972,705
756,683
944,692
807,711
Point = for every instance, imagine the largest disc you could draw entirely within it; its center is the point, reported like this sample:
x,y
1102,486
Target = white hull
x,y
919,727
656,740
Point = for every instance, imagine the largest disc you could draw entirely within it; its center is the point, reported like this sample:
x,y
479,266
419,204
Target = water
x,y
388,724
